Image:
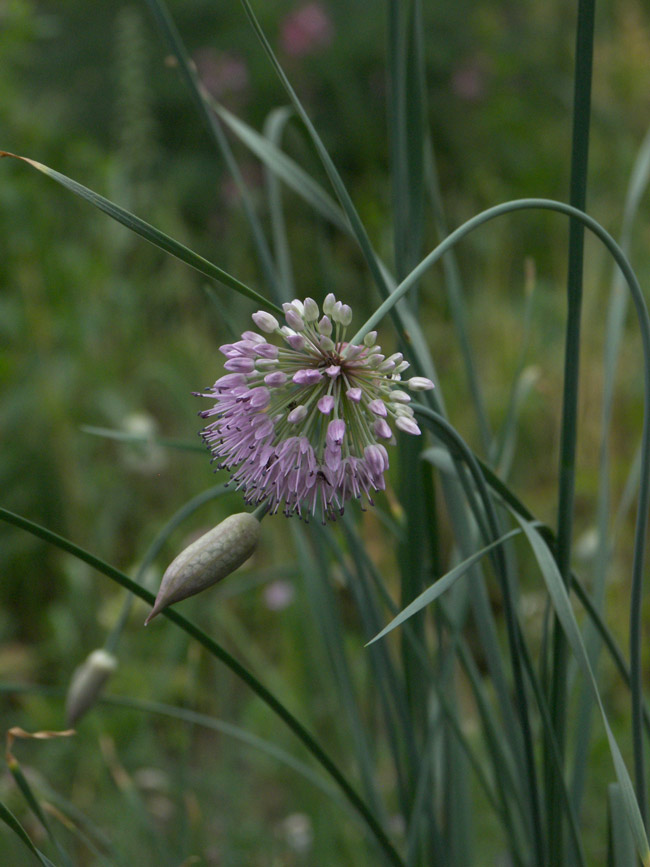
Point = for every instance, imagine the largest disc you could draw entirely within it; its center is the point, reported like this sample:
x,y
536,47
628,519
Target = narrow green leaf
x,y
71,817
150,233
569,421
9,819
621,842
357,227
614,331
201,101
36,809
566,618
141,439
485,216
456,295
390,686
365,569
285,168
441,585
274,127
313,562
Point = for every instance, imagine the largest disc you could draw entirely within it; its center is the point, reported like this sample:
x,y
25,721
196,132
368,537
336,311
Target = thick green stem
x,y
569,427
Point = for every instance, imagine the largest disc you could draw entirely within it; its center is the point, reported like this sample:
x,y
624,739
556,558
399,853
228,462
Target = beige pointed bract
x,y
206,561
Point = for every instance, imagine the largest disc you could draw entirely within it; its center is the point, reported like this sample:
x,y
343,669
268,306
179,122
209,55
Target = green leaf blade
x,y
149,233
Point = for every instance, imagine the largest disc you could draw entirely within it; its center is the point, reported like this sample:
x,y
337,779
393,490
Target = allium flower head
x,y
302,425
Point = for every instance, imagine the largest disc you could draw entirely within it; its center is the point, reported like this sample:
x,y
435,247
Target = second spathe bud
x,y
87,683
207,560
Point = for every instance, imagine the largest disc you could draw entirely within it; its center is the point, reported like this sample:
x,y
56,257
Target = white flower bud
x,y
266,364
370,338
311,310
298,304
212,557
265,322
345,315
419,383
297,415
328,304
407,425
294,319
325,326
87,683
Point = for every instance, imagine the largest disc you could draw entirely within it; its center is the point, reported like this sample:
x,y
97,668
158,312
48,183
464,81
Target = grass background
x,y
98,328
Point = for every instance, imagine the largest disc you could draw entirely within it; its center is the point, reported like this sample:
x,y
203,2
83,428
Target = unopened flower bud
x,y
206,561
265,364
328,303
325,326
370,338
294,319
419,383
345,314
311,310
87,683
406,424
265,321
297,415
296,341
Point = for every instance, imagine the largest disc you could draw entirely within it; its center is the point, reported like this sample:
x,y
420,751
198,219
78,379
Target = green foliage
x,y
468,735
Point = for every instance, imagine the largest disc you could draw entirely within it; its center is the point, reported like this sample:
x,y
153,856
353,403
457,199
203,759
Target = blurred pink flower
x,y
222,73
278,595
468,80
306,30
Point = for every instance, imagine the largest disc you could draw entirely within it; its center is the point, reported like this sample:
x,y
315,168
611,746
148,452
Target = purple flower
x,y
302,425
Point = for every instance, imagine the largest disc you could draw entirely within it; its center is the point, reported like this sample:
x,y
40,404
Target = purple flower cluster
x,y
303,425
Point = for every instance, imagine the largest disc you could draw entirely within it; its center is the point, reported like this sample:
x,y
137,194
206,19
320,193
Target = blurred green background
x,y
99,328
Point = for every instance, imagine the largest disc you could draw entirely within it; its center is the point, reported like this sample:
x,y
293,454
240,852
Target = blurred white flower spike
x,y
207,560
303,426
